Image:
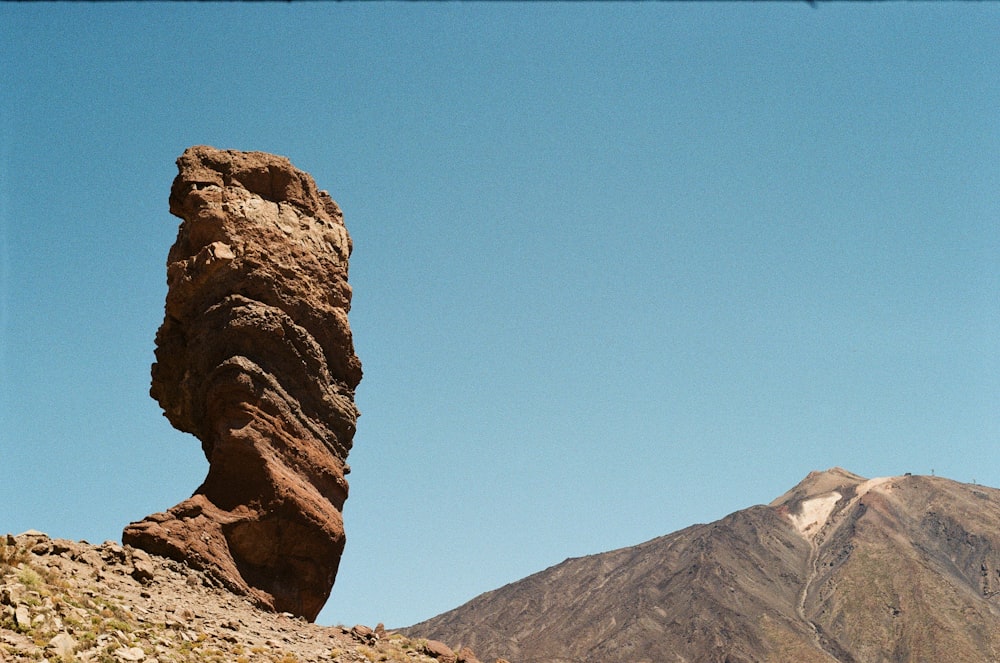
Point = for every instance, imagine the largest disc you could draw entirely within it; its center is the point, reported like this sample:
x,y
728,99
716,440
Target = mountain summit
x,y
838,569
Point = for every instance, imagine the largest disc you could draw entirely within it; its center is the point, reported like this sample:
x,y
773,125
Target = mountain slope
x,y
840,568
72,601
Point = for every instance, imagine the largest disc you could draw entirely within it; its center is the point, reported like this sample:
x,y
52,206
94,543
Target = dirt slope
x,y
840,568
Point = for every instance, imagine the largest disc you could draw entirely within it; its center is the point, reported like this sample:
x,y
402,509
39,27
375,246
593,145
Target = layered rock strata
x,y
255,358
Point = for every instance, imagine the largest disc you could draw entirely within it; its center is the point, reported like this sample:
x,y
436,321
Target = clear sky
x,y
618,268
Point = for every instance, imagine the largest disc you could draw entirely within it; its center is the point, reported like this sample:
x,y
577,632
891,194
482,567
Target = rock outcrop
x,y
255,358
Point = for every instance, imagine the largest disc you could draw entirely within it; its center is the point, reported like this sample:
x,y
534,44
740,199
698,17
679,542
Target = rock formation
x,y
255,358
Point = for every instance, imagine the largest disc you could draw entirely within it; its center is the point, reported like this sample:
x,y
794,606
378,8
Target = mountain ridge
x,y
838,568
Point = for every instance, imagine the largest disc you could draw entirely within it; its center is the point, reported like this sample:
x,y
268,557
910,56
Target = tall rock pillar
x,y
255,358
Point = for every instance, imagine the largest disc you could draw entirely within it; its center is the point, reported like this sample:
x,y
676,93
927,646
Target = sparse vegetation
x,y
29,577
367,652
45,594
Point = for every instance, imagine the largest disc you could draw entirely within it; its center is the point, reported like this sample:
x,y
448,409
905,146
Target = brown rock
x,y
363,633
143,570
255,358
440,651
466,655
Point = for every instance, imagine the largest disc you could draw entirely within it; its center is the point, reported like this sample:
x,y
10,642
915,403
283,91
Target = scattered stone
x,y
27,534
130,654
466,655
22,615
113,553
10,595
63,645
440,651
90,557
143,571
363,633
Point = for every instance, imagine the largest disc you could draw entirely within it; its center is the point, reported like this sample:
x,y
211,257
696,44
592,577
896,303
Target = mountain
x,y
838,569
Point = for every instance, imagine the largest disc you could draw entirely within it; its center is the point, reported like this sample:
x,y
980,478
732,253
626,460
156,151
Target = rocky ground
x,y
72,601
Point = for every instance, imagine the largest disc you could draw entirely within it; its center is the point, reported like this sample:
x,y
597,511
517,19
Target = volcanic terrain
x,y
839,568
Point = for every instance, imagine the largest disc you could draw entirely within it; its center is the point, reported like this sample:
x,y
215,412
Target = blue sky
x,y
618,268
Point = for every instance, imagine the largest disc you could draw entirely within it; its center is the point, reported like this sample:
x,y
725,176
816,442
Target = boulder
x,y
440,651
255,358
130,654
63,645
363,633
466,655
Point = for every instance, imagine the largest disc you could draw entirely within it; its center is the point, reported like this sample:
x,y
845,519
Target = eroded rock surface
x,y
255,358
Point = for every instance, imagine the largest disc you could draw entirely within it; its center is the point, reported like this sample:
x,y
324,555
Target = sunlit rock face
x,y
255,358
